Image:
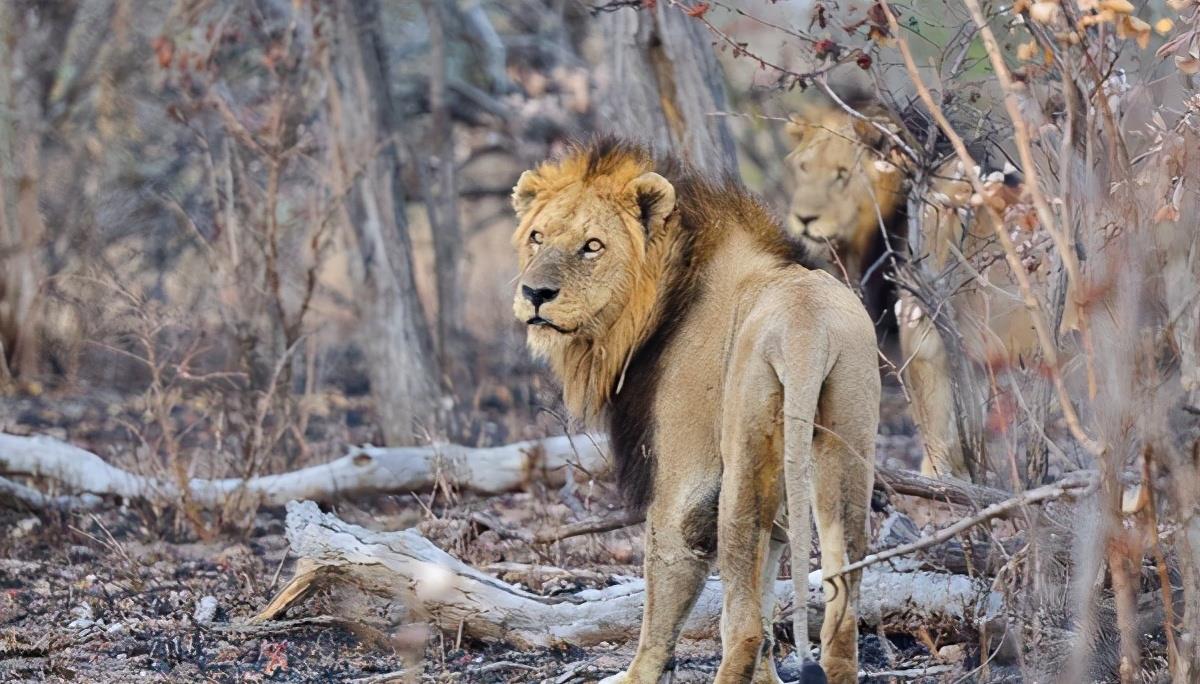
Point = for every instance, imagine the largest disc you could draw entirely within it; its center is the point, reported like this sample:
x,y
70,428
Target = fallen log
x,y
364,470
455,596
370,470
18,496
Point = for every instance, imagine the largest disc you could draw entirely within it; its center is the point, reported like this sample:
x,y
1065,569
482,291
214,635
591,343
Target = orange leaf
x,y
1168,212
697,10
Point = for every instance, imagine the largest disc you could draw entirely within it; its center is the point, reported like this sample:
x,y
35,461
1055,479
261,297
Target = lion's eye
x,y
592,248
535,238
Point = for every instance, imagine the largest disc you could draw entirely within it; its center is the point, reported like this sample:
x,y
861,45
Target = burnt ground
x,y
120,595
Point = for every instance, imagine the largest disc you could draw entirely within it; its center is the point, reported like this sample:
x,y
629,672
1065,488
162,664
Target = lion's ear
x,y
655,200
868,131
797,128
525,191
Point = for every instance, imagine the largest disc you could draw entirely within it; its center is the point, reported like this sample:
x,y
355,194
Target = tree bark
x,y
665,84
406,375
22,230
442,198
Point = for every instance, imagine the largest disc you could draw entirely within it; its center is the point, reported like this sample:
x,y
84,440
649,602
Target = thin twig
x,y
1045,493
1030,300
594,526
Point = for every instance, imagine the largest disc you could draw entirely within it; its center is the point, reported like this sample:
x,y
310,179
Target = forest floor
x,y
132,594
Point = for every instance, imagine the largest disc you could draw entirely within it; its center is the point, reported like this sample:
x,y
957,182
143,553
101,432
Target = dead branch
x,y
364,470
1036,313
406,566
370,470
1046,493
17,495
593,526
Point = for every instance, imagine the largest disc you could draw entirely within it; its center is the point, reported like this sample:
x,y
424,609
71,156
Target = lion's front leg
x,y
680,542
927,374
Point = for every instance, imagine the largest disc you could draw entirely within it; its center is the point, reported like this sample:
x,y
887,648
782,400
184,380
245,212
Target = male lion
x,y
674,311
848,202
837,151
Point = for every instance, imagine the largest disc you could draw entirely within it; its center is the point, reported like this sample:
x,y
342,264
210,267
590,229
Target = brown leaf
x,y
1168,212
818,17
1118,6
697,10
276,657
825,47
1188,65
164,50
1045,12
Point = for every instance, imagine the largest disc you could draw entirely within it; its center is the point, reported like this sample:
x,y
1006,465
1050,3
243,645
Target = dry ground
x,y
120,595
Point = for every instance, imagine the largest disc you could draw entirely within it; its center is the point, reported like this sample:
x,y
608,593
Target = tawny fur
x,y
848,213
677,305
848,188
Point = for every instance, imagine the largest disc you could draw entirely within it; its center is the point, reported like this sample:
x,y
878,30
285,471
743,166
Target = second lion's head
x,y
845,180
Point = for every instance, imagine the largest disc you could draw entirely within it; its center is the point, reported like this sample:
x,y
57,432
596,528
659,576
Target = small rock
x,y
80,624
24,527
206,610
952,653
116,629
83,611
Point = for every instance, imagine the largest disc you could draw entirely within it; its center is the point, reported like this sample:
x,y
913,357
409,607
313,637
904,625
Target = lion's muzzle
x,y
538,295
540,286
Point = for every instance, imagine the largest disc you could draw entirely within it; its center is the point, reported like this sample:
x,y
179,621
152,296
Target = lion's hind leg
x,y
766,674
751,493
843,468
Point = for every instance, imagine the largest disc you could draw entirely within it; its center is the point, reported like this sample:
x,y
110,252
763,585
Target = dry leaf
x,y
1132,27
1026,52
1104,17
1188,65
1118,6
1045,12
1168,212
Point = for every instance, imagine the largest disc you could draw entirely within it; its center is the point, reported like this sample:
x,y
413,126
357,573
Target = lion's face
x,y
581,248
843,184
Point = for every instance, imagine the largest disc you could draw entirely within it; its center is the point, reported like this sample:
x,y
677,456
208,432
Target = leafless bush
x,y
1105,148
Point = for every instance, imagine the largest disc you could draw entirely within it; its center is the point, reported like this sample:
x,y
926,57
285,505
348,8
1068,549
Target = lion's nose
x,y
538,296
805,220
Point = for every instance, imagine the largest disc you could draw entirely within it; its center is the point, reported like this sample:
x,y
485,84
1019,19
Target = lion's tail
x,y
801,392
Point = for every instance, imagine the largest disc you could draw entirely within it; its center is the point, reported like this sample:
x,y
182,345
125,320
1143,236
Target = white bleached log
x,y
364,470
406,566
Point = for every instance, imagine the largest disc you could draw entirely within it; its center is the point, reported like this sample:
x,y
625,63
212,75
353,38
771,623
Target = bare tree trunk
x,y
442,201
665,84
405,374
21,225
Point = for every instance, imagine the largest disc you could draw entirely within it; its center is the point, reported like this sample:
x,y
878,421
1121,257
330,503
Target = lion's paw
x,y
618,678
